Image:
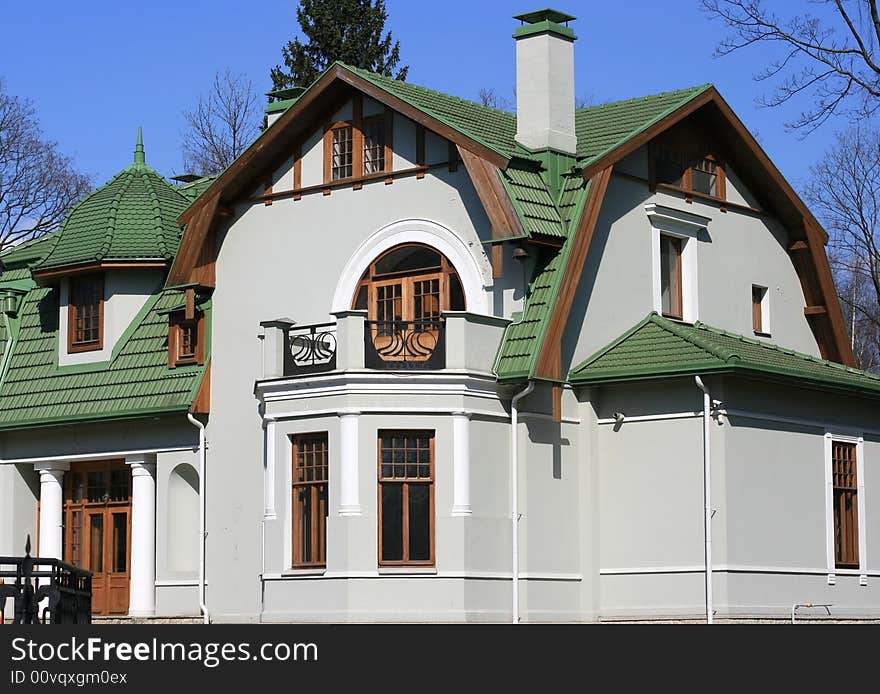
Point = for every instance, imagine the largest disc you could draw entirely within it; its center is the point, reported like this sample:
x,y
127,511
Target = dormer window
x,y
85,327
689,169
186,338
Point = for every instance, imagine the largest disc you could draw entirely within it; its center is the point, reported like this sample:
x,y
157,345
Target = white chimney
x,y
545,81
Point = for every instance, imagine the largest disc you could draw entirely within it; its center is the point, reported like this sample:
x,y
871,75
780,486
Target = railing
x,y
310,348
66,589
402,344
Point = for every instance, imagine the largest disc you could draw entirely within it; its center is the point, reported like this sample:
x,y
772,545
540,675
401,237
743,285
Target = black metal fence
x,y
29,581
401,344
310,349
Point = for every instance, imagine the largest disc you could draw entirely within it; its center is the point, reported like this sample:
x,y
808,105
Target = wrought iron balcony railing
x,y
403,344
67,590
310,348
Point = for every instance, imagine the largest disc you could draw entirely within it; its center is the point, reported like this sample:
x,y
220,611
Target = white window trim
x,y
862,571
685,226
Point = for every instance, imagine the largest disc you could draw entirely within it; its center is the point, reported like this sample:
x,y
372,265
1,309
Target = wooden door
x,y
97,530
407,314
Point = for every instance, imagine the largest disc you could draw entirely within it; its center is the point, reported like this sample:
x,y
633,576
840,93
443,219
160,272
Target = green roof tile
x,y
133,217
658,348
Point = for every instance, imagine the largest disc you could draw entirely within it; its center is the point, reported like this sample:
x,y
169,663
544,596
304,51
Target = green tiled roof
x,y
533,203
135,382
658,348
601,129
193,190
133,217
521,345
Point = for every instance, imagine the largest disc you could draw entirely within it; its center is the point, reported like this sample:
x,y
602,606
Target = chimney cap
x,y
544,15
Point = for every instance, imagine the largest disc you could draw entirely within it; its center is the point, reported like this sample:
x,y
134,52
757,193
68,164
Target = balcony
x,y
458,341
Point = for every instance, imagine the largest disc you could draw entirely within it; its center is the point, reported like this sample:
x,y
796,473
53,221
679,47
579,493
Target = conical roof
x,y
133,218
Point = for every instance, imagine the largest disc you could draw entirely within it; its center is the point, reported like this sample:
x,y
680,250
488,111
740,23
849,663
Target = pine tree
x,y
346,30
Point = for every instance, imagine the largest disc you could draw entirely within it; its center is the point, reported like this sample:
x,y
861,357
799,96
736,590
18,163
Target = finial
x,y
139,157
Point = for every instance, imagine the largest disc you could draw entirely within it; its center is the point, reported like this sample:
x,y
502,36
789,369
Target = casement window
x,y
374,144
671,276
406,498
309,500
845,504
186,339
693,172
85,327
342,154
760,310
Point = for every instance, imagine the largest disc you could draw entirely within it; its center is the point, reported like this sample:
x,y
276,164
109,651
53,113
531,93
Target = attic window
x,y
186,340
85,326
699,174
374,145
342,164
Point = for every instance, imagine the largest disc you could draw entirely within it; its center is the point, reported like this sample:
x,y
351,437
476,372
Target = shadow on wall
x,y
182,544
549,434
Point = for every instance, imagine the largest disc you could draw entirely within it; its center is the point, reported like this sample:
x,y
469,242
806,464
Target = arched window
x,y
405,291
410,282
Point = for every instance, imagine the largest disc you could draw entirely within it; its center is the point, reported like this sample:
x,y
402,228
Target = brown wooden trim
x,y
89,268
190,303
798,247
73,347
420,149
297,194
557,402
487,182
755,211
202,402
297,169
815,310
357,138
549,359
389,148
267,191
422,118
497,253
193,240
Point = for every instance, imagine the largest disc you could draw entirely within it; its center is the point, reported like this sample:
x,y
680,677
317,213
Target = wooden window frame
x,y
406,482
357,123
677,301
845,522
176,322
319,539
686,187
759,319
379,121
74,347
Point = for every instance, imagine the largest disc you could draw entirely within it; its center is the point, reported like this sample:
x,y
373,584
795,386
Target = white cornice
x,y
669,218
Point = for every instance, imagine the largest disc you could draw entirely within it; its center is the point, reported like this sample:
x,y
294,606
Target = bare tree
x,y
489,97
844,191
38,184
831,58
224,123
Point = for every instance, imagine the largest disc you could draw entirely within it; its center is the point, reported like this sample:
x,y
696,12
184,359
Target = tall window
x,y
670,276
85,313
846,512
760,323
374,145
342,162
309,500
186,339
406,497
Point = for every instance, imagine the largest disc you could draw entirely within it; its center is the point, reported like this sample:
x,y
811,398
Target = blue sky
x,y
97,69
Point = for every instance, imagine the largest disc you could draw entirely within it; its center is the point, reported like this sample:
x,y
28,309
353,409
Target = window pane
x,y
342,153
85,299
303,522
120,543
75,557
419,522
456,293
670,276
846,517
392,521
408,259
119,484
310,473
96,543
374,146
96,486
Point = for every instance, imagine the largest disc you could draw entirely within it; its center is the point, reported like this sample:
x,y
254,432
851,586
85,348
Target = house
x,y
416,359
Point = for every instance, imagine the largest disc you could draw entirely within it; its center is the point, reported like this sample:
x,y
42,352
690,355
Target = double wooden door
x,y
97,530
407,312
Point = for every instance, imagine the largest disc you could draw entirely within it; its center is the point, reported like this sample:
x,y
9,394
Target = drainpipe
x,y
202,469
707,495
514,495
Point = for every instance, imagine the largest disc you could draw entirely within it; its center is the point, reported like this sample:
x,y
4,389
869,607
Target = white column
x,y
269,471
51,508
142,596
461,464
349,502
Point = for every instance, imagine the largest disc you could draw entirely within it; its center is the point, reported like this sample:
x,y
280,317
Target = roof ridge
x,y
680,331
697,88
157,215
111,221
789,351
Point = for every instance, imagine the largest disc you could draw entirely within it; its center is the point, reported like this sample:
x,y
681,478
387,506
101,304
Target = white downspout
x,y
514,495
202,469
707,494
